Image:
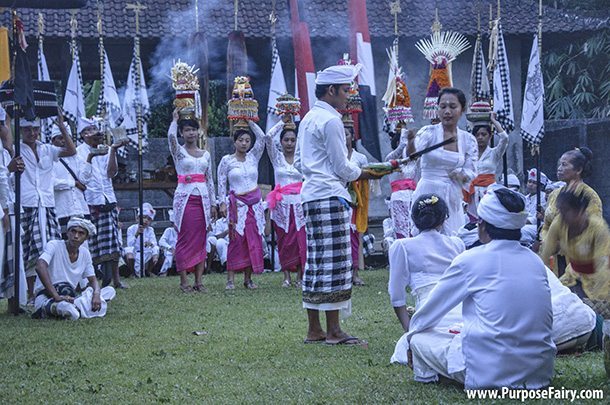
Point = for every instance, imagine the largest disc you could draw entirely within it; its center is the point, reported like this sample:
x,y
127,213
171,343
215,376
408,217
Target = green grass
x,y
145,351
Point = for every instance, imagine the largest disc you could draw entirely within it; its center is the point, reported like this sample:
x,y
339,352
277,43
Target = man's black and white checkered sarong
x,y
327,278
32,236
106,244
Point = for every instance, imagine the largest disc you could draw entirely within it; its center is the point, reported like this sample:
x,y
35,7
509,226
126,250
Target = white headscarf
x,y
82,223
84,123
491,210
26,123
148,210
532,175
55,131
339,74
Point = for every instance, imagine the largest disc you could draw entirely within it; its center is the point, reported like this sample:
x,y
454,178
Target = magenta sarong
x,y
190,246
292,245
245,250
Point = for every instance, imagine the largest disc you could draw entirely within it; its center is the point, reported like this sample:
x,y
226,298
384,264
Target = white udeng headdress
x,y
491,210
82,223
338,74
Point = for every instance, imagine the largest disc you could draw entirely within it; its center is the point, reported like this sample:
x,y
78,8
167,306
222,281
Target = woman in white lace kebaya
x,y
487,165
445,171
243,206
194,199
403,186
284,200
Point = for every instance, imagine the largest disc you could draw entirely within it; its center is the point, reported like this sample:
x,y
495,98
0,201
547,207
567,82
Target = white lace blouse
x,y
284,174
242,177
187,164
490,159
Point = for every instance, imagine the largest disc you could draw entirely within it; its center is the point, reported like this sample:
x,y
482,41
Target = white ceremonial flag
x,y
74,100
503,98
109,98
43,74
133,97
532,120
277,88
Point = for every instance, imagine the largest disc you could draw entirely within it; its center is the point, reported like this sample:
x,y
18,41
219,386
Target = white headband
x,y
82,223
491,210
339,74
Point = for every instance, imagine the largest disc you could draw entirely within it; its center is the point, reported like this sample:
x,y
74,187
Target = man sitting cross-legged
x,y
507,312
60,268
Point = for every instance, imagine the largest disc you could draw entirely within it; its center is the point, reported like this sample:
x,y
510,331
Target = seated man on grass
x,y
508,317
60,268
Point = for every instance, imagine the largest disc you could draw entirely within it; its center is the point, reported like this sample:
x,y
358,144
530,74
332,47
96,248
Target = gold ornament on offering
x,y
186,83
242,105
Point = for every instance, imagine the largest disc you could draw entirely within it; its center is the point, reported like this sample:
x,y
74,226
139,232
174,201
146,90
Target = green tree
x,y
577,78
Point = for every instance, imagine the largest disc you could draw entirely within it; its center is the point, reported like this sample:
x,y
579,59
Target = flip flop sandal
x,y
286,284
250,285
230,285
186,288
348,341
312,341
200,288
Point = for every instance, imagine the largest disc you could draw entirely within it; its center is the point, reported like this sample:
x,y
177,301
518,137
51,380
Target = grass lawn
x,y
145,351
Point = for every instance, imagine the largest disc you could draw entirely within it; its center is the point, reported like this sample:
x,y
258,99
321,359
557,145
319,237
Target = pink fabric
x,y
292,245
278,193
403,184
245,250
355,239
190,246
192,178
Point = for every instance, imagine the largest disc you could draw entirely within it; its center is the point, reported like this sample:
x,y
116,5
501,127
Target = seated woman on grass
x,y
60,268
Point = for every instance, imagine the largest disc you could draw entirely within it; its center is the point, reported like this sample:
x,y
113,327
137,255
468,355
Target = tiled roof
x,y
326,18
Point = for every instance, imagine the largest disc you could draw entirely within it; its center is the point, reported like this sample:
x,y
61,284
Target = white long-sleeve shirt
x,y
508,317
69,200
99,190
150,240
321,155
168,239
37,178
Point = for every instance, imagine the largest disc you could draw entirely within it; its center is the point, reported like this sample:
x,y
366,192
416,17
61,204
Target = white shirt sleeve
x,y
337,151
89,271
48,252
399,275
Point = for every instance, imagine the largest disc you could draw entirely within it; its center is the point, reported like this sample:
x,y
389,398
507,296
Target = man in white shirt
x,y
105,246
39,222
60,268
507,312
530,230
321,155
71,177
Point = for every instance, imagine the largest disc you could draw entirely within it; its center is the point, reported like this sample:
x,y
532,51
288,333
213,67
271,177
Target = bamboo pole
x,y
17,258
537,150
137,8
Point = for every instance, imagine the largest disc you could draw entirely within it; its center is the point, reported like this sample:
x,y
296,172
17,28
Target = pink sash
x,y
191,178
250,198
277,194
403,184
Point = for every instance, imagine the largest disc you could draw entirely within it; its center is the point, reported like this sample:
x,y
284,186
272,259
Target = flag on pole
x,y
366,128
532,120
479,79
109,99
43,74
133,97
305,72
503,97
74,100
277,88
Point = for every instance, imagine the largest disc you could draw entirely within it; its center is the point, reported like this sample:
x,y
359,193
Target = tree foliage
x,y
577,78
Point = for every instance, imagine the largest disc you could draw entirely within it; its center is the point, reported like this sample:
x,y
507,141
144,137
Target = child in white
x,y
151,248
218,239
60,268
167,242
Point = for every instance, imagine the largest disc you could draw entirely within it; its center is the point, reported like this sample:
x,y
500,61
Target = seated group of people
x,y
491,316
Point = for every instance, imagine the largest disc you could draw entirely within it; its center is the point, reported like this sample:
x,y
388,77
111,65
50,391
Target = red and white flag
x,y
365,128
